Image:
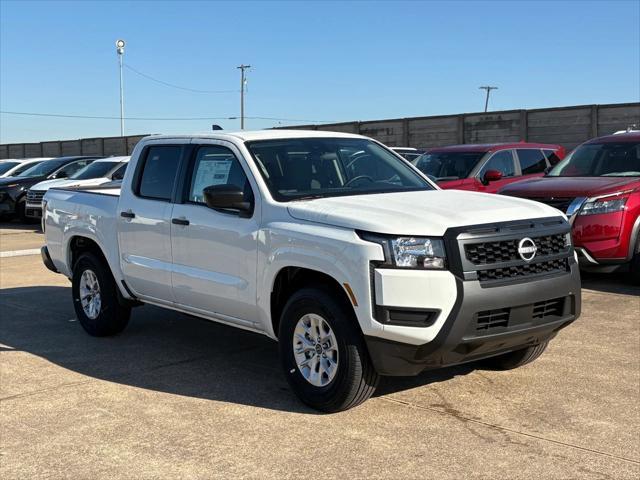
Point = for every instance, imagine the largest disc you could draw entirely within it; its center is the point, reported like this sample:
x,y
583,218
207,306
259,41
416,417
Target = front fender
x,y
336,252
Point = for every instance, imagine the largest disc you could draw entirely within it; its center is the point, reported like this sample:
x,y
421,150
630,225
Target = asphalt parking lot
x,y
177,397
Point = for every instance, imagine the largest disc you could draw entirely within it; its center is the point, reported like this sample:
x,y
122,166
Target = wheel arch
x,y
290,279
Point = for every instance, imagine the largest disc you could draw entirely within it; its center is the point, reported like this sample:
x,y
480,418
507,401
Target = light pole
x,y
488,89
120,51
242,80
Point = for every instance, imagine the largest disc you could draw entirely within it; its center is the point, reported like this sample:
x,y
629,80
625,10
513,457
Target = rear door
x,y
144,220
532,162
214,251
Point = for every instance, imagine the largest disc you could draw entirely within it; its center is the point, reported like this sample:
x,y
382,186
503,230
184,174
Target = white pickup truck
x,y
329,243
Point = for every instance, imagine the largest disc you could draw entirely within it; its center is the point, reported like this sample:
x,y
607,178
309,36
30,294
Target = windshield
x,y
330,167
448,165
6,166
42,169
94,170
601,160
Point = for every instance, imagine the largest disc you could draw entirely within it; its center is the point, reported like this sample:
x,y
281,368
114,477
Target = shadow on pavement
x,y
164,351
620,283
11,225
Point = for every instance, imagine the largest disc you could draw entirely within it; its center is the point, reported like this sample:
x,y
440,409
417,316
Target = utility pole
x,y
120,52
488,89
242,81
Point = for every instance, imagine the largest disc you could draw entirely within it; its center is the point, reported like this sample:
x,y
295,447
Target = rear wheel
x,y
95,298
517,358
323,354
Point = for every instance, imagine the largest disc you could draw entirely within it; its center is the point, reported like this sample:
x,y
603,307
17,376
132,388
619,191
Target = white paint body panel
x,y
223,267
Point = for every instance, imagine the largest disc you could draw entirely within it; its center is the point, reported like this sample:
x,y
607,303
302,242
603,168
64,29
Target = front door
x,y
215,252
503,162
144,222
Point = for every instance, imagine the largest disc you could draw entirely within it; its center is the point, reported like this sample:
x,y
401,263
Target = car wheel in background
x,y
517,358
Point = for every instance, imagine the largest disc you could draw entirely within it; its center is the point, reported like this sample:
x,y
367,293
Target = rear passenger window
x,y
531,161
159,172
501,161
216,165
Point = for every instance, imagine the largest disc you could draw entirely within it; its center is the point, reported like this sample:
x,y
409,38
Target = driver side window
x,y
501,161
216,165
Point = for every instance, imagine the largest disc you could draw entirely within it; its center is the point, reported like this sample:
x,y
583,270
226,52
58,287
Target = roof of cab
x,y
250,135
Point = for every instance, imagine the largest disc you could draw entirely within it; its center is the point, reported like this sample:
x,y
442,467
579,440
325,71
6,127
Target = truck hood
x,y
417,213
68,183
570,186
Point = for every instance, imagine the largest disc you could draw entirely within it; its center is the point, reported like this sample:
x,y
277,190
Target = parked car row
x,y
25,181
597,186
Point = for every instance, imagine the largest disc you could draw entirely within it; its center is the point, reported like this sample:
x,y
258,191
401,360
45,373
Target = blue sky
x,y
335,61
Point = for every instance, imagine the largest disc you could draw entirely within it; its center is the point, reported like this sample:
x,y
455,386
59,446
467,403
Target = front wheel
x,y
517,358
95,298
323,354
635,266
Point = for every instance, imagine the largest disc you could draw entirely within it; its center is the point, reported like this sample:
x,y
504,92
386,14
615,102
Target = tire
x,y
106,316
353,378
517,358
20,214
635,266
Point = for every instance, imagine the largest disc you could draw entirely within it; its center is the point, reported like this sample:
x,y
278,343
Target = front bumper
x,y
469,333
32,210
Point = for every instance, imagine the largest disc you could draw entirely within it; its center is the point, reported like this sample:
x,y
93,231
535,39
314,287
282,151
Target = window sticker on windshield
x,y
210,172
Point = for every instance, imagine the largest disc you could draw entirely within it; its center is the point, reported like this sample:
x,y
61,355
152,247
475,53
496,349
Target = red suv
x,y
487,168
598,187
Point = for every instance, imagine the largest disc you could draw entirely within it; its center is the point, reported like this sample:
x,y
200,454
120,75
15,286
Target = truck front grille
x,y
492,255
35,196
486,253
526,269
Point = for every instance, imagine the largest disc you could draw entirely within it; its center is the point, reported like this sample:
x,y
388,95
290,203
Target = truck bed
x,y
90,212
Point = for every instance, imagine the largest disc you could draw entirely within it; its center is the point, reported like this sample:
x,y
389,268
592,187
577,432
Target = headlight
x,y
603,205
411,252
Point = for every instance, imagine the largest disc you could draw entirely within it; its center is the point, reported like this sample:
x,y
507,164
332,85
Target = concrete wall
x,y
108,146
567,126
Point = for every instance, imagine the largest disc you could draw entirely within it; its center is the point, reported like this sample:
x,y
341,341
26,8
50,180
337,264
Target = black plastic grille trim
x,y
527,269
548,308
35,196
488,319
487,253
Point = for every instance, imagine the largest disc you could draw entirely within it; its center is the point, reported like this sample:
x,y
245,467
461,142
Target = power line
x,y
105,117
167,84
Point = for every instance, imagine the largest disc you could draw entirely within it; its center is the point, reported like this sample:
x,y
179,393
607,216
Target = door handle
x,y
180,221
128,214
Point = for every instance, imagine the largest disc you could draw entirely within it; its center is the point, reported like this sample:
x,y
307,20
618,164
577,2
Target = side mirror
x,y
227,197
61,174
491,176
547,170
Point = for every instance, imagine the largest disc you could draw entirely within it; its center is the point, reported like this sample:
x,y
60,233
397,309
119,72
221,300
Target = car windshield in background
x,y
601,160
6,166
42,169
448,165
94,170
329,167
